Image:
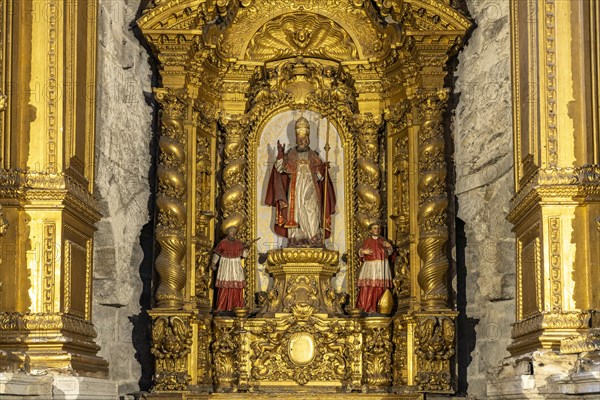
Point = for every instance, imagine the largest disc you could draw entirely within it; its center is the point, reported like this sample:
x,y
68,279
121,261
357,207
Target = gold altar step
x,y
285,396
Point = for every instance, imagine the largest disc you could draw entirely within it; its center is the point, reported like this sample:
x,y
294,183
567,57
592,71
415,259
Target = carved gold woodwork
x,y
170,199
47,186
376,71
303,276
557,179
171,347
433,201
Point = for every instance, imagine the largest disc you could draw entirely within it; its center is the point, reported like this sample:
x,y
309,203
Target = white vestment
x,y
307,211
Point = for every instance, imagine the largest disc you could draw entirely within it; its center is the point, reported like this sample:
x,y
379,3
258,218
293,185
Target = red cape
x,y
279,184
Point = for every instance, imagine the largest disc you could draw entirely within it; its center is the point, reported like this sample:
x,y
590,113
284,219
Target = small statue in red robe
x,y
230,276
375,275
296,189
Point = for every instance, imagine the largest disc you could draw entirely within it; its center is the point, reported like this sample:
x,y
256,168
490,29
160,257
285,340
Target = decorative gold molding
x,y
582,343
319,37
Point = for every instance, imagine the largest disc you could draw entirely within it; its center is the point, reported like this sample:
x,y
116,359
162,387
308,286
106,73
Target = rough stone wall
x,y
123,240
485,252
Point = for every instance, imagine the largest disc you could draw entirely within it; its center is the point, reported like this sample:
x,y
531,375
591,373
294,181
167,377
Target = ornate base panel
x,y
302,351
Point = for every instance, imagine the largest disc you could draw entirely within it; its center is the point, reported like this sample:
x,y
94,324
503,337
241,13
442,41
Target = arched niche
x,y
280,127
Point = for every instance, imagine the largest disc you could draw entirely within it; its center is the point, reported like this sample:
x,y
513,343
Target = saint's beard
x,y
302,148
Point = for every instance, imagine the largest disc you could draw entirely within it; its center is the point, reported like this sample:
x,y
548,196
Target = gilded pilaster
x,y
377,352
48,69
170,199
434,340
205,126
557,171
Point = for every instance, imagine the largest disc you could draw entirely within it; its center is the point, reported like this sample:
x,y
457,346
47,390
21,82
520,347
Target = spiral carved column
x,y
433,202
234,173
170,199
368,171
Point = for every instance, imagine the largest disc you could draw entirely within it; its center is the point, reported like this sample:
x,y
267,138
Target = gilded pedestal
x,y
303,277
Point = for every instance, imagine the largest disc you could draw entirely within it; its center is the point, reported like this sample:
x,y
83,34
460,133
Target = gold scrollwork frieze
x,y
21,323
581,343
557,320
555,183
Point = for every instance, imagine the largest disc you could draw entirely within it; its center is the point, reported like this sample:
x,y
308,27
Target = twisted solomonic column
x,y
234,172
368,127
170,199
433,202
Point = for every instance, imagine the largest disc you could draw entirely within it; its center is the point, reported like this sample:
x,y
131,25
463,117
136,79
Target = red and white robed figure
x,y
230,276
296,190
375,275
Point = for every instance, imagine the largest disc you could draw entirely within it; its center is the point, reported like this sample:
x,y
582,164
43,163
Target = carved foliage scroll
x,y
318,37
434,347
171,344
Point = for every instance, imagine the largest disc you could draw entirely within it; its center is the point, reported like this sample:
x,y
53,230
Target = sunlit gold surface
x,y
376,71
557,174
47,70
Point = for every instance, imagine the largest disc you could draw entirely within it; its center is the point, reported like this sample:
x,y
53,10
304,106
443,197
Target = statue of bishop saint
x,y
297,191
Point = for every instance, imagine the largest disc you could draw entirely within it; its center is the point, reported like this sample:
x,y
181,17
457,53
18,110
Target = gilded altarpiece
x,y
369,76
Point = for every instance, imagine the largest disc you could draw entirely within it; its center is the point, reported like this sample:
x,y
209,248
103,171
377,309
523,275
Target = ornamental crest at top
x,y
339,30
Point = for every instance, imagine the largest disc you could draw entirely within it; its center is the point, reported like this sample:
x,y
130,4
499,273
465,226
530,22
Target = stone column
x,y
48,74
556,205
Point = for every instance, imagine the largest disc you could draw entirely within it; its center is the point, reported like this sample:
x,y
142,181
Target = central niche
x,y
281,128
